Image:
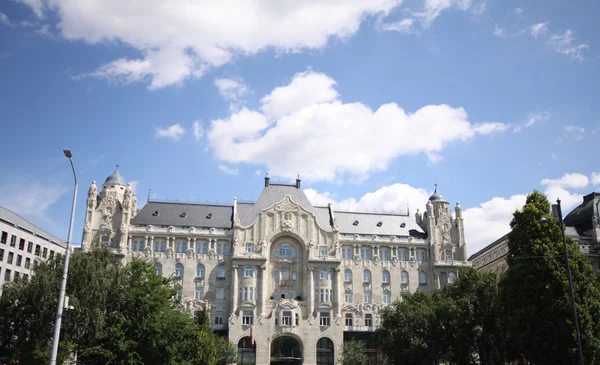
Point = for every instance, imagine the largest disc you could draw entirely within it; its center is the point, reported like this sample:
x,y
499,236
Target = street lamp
x,y
556,210
63,283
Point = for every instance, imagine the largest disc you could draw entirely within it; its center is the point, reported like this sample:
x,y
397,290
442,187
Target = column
x,y
129,247
311,290
263,289
234,286
437,280
338,290
193,246
150,240
189,244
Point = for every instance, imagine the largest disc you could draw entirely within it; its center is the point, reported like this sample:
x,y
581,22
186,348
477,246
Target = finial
x,y
148,196
435,187
117,167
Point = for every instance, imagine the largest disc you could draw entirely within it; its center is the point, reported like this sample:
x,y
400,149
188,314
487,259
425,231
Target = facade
x,y
285,280
23,245
582,225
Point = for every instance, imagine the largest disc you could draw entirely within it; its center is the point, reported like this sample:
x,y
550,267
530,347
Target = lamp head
x,y
67,153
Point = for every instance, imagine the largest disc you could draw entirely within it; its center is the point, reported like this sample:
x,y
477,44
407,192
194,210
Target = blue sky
x,y
370,102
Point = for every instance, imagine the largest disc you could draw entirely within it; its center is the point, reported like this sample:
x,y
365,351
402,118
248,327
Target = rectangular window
x,y
45,254
27,263
29,246
17,275
10,257
348,296
367,297
219,317
448,255
13,241
249,272
368,320
7,275
365,253
324,319
386,298
247,318
199,291
249,247
19,260
443,278
403,255
322,251
22,244
294,277
202,248
38,250
384,252
51,254
421,255
180,246
348,320
220,272
1,255
286,318
223,248
347,253
3,237
25,277
220,293
348,276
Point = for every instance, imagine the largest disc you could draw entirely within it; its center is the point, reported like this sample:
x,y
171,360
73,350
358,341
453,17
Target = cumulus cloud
x,y
230,89
596,178
489,128
197,130
539,29
228,170
174,132
570,180
404,26
296,130
183,39
562,188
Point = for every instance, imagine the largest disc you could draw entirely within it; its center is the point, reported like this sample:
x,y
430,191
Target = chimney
x,y
298,182
267,179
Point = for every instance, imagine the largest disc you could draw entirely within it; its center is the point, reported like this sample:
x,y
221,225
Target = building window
x,y
403,254
180,246
158,267
247,293
444,278
247,318
10,258
404,277
448,255
367,276
223,248
22,244
348,320
199,291
4,237
368,320
322,251
249,247
347,253
19,260
220,272
13,241
38,250
323,273
104,240
179,271
348,296
384,254
45,253
275,275
201,248
324,319
325,352
219,317
348,276
179,293
386,298
422,278
220,294
27,263
451,277
51,254
29,246
385,277
367,297
160,245
285,249
25,277
249,272
17,276
421,255
365,253
1,255
286,318
294,275
138,245
324,295
199,271
7,275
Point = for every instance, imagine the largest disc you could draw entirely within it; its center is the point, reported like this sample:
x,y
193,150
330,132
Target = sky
x,y
370,102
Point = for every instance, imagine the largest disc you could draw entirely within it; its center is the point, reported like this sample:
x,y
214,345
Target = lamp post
x,y
562,229
63,283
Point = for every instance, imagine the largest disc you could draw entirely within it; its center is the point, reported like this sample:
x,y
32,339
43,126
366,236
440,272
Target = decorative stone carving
x,y
212,254
394,261
150,228
412,261
190,253
357,259
213,231
287,206
170,253
111,198
93,191
375,237
170,229
192,230
127,196
147,251
87,228
376,260
356,236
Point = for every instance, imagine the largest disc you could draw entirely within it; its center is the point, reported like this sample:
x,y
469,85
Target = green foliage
x,y
123,314
534,291
353,353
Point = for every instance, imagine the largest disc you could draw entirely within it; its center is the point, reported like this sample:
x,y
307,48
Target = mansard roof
x,y
177,214
381,224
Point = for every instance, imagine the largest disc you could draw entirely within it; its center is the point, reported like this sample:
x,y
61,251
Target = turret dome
x,y
115,179
436,197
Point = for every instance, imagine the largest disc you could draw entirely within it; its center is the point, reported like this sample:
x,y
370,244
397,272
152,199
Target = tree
x,y
353,353
534,291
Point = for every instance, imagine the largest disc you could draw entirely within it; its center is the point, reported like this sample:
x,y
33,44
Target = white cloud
x,y
434,8
404,26
197,130
536,117
596,178
228,170
231,89
499,32
183,39
31,200
134,185
570,180
519,11
434,158
174,132
5,20
539,29
35,5
565,44
297,131
489,128
568,199
574,128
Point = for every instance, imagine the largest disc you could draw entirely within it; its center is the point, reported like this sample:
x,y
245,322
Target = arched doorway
x,y
286,350
246,352
325,352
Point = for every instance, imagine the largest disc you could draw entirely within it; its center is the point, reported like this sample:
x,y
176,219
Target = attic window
x,y
155,214
183,215
209,216
402,225
379,224
355,223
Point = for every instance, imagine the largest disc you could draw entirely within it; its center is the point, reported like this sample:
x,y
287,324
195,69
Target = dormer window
x,y
402,225
183,215
155,214
379,224
355,223
209,216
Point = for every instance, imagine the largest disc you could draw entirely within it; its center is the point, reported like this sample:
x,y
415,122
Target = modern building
x,y
22,246
582,225
286,281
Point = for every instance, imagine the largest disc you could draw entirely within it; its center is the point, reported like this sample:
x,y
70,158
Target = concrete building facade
x,y
285,280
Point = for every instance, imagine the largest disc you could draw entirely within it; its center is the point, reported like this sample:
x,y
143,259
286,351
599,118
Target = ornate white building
x,y
296,278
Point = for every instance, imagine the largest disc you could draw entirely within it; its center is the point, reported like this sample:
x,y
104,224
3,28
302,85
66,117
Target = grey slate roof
x,y
115,179
170,214
584,211
367,223
16,220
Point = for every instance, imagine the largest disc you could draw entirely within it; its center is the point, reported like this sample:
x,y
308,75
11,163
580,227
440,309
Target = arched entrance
x,y
286,350
325,352
246,352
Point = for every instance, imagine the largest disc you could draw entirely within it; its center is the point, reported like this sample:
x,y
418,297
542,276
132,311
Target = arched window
x,y
105,240
348,276
448,254
246,351
179,271
158,267
404,277
199,271
324,273
422,278
325,351
385,277
348,296
220,272
285,274
451,277
367,276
